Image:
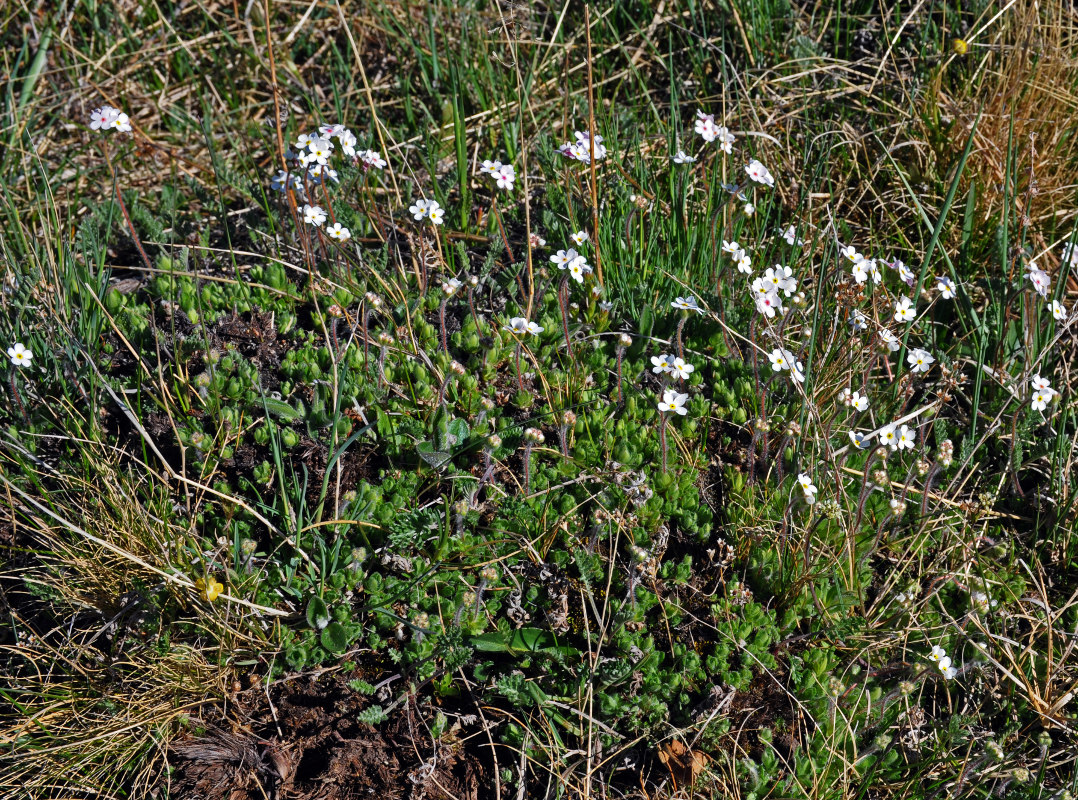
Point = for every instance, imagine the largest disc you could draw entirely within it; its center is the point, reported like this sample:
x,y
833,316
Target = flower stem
x,y
563,301
18,398
441,324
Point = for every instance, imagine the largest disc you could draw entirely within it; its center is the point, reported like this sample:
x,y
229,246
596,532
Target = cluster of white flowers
x,y
580,150
427,209
571,260
503,174
1043,393
521,326
670,365
943,661
109,118
706,127
782,359
896,438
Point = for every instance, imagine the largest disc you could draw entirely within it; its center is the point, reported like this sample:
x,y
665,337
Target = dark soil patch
x,y
309,744
766,704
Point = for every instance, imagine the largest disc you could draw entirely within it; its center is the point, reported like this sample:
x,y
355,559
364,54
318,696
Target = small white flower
x,y
860,270
20,355
905,274
946,287
505,176
577,269
920,360
108,117
889,437
451,286
682,158
705,126
681,369
858,320
672,401
313,215
781,359
1037,382
744,263
371,159
331,130
421,209
662,363
798,372
490,167
521,326
759,173
338,232
347,141
790,235
905,311
890,339
1070,254
750,209
808,488
1041,399
687,304
733,248
906,438
436,213
1041,281
320,150
859,401
726,139
1059,311
850,252
768,303
563,258
579,237
937,653
950,672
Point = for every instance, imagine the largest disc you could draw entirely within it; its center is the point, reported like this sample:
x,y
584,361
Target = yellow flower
x,y
208,590
959,46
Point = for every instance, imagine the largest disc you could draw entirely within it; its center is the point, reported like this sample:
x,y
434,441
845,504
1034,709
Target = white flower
x,y
662,363
905,274
905,310
320,172
758,172
370,158
873,270
563,258
808,488
521,326
282,180
1042,398
579,237
890,339
946,287
937,653
305,139
331,130
889,437
950,672
920,360
347,141
750,209
906,438
744,263
490,167
859,401
850,252
578,268
733,248
1041,282
687,304
980,601
683,158
1059,311
783,279
451,286
421,209
790,235
858,320
108,117
436,213
860,270
768,303
20,355
672,401
1037,382
781,359
726,139
505,176
798,372
705,126
313,215
1070,254
681,369
320,149
338,232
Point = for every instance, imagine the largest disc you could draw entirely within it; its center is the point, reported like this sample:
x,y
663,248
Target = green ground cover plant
x,y
488,400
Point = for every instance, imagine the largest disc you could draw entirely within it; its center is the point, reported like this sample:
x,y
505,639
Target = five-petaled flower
x,y
683,158
1059,311
338,232
687,304
673,401
661,363
107,118
313,215
759,173
20,354
521,326
905,311
808,488
920,360
681,369
946,287
781,359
